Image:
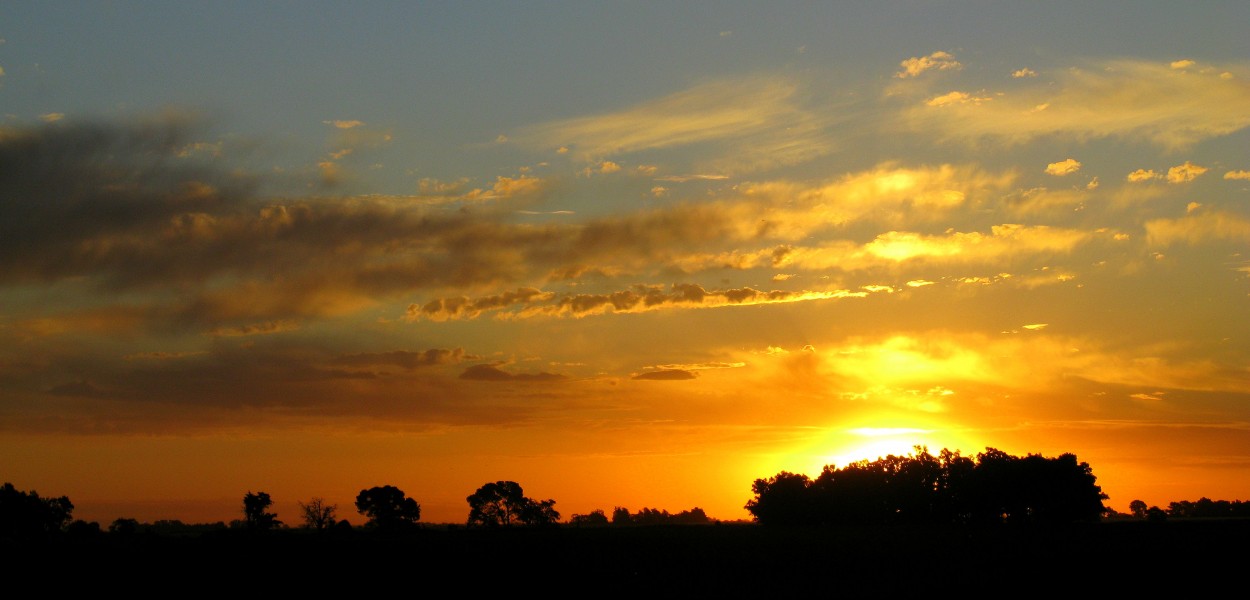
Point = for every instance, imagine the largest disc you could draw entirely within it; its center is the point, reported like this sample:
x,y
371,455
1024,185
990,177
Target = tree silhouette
x,y
388,508
1138,508
317,514
255,512
503,503
921,488
595,518
24,515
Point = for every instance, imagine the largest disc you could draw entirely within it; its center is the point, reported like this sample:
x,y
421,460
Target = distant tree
x,y
256,515
317,514
694,516
621,516
83,529
1138,508
122,526
595,518
388,508
24,515
1156,514
503,503
540,513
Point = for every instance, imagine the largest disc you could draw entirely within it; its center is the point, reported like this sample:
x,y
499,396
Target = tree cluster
x,y
25,515
922,488
503,503
655,516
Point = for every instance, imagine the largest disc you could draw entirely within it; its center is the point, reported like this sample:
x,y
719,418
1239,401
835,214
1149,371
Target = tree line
x,y
990,487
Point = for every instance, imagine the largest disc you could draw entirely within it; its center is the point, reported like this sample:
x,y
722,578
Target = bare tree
x,y
317,514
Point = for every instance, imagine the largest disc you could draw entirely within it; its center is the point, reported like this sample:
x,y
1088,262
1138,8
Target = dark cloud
x,y
666,375
405,359
492,372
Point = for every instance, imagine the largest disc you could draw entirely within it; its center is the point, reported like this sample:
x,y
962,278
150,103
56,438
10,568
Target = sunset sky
x,y
632,254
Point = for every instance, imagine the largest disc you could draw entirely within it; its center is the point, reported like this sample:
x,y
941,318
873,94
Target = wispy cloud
x,y
1127,99
760,120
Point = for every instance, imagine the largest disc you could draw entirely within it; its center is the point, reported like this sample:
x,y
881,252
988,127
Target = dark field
x,y
733,560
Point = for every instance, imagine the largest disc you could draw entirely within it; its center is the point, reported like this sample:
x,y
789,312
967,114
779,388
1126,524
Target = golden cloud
x,y
1185,173
1063,167
1128,99
1198,228
759,117
916,65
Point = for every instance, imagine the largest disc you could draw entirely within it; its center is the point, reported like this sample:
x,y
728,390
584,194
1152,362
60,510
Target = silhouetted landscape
x,y
898,524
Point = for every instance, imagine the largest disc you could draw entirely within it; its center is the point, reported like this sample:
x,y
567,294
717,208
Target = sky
x,y
628,254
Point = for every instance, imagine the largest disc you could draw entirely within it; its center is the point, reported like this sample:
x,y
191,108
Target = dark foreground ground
x,y
730,560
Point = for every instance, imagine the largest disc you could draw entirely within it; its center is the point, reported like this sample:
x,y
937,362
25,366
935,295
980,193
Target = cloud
x,y
1198,228
1185,173
530,303
759,121
956,97
406,359
692,177
1182,64
1125,99
492,372
1025,72
443,309
51,117
1143,175
1063,167
1243,175
264,328
345,124
665,375
916,65
1035,326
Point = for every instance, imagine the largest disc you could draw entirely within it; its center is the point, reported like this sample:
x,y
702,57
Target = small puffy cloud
x,y
1036,326
501,139
1092,185
1243,175
1182,64
659,191
916,65
51,117
915,283
665,375
344,124
1185,173
1143,175
1025,72
1063,167
603,168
